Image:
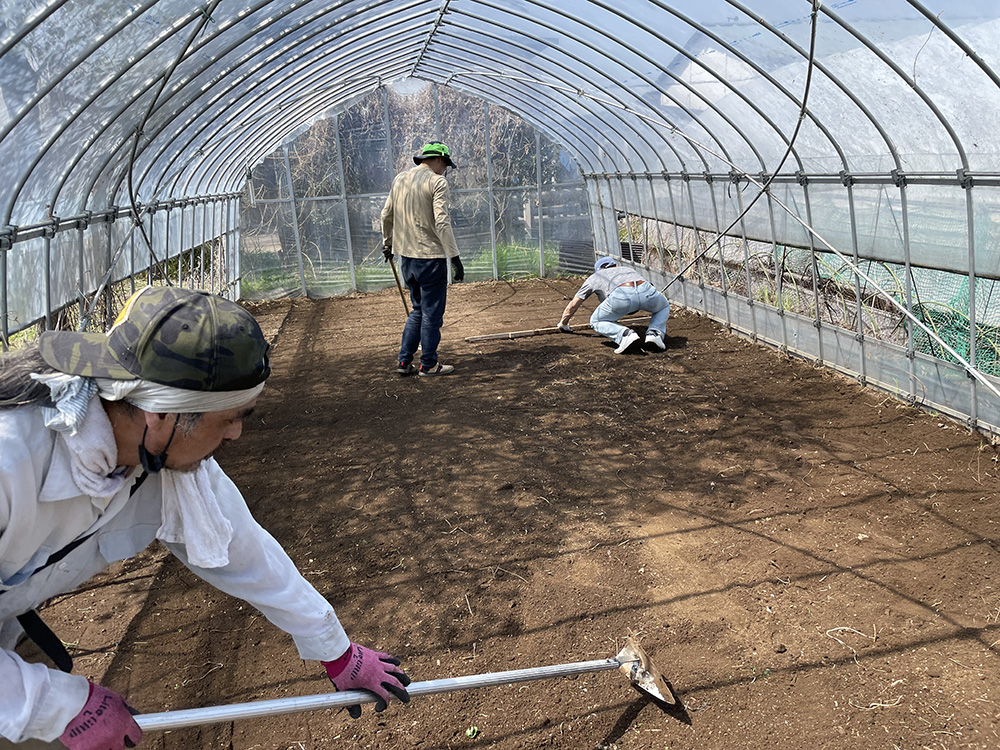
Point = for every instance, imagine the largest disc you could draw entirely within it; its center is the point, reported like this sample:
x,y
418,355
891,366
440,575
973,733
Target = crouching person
x,y
106,444
621,292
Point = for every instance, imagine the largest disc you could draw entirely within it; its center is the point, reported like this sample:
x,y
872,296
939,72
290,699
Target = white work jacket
x,y
42,511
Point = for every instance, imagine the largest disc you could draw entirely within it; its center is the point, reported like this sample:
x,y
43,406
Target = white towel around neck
x,y
190,515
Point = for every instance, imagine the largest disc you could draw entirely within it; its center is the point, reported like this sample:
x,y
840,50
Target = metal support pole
x,y
109,255
295,219
216,241
81,280
6,243
698,241
180,248
489,183
219,262
343,203
47,278
656,218
205,236
723,276
628,222
780,266
538,202
131,264
642,220
973,385
908,274
677,238
814,264
152,245
237,272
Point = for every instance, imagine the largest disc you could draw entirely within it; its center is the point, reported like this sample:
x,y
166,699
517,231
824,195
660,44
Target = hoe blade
x,y
643,674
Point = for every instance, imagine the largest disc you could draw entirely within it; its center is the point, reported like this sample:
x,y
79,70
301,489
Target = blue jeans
x,y
626,300
427,279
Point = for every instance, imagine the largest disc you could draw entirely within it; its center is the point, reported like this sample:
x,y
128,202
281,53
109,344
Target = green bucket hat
x,y
432,149
182,338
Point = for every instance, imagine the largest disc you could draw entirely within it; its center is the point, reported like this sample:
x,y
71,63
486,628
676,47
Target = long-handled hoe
x,y
632,660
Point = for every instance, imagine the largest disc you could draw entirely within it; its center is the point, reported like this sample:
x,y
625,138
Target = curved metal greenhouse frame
x,y
822,177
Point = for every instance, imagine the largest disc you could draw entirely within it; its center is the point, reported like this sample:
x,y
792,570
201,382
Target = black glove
x,y
458,270
387,252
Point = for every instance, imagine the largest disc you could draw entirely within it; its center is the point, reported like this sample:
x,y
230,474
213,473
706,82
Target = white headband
x,y
164,399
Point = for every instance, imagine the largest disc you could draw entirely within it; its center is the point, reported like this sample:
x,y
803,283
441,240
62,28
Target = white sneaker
x,y
628,339
653,338
437,369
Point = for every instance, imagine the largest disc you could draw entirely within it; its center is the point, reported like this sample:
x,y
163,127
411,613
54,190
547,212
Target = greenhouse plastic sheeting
x,y
870,122
158,99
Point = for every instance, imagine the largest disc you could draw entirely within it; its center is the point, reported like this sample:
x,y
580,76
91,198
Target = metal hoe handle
x,y
215,714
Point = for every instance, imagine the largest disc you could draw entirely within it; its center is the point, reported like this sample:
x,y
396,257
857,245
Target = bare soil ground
x,y
812,564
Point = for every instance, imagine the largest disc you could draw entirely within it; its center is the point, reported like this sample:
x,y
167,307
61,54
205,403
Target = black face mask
x,y
153,463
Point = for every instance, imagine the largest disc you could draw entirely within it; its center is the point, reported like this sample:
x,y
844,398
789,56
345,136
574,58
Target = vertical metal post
x,y
237,272
609,248
6,243
814,264
489,182
656,217
538,202
746,256
295,219
723,277
966,182
908,272
343,203
81,281
152,244
641,233
677,238
780,268
204,241
213,249
131,262
746,266
387,127
856,257
219,260
628,222
180,246
699,242
47,279
108,255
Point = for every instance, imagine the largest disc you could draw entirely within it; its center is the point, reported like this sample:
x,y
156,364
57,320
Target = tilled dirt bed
x,y
811,564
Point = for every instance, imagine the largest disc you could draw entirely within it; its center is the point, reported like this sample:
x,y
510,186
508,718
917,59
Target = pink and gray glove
x,y
363,669
105,723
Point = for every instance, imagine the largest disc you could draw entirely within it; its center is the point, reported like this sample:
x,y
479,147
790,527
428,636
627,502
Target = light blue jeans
x,y
626,300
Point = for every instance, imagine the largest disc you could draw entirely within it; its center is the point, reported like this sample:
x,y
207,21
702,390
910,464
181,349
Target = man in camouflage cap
x,y
106,443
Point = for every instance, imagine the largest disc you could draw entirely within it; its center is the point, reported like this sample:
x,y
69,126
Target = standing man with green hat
x,y
106,443
416,225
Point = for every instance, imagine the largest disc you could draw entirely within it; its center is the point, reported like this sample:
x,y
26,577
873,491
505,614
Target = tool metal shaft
x,y
254,709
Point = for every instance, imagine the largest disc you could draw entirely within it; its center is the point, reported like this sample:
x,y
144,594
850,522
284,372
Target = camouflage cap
x,y
182,338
